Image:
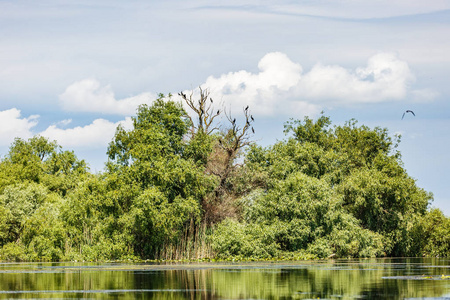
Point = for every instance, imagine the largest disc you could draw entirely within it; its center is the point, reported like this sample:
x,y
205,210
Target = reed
x,y
192,245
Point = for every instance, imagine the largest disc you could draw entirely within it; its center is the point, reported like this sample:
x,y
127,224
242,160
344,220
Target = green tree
x,y
158,161
435,236
41,161
375,201
18,203
300,213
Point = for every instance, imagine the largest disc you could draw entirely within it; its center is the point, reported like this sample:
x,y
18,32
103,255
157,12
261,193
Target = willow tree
x,y
366,192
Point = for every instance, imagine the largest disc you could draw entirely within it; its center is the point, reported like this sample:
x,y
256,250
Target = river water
x,y
337,279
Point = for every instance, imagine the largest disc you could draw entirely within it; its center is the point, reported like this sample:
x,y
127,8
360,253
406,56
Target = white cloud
x,y
98,134
265,91
384,78
65,122
12,125
88,96
281,87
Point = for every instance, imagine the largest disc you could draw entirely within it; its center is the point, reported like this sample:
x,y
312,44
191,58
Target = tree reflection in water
x,y
344,279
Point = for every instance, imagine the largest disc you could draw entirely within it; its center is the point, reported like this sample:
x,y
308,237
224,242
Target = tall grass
x,y
193,245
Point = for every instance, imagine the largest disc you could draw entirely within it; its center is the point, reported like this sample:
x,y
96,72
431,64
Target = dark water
x,y
339,279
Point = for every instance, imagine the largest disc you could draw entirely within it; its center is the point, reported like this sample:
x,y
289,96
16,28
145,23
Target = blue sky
x,y
74,70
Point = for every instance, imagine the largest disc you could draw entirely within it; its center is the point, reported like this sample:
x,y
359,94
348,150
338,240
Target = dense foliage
x,y
173,189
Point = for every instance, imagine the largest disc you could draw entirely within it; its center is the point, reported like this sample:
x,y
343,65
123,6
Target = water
x,y
339,279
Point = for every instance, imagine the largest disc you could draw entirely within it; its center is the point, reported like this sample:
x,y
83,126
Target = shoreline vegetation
x,y
193,186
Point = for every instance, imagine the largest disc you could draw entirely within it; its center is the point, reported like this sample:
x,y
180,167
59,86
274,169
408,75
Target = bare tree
x,y
204,110
234,139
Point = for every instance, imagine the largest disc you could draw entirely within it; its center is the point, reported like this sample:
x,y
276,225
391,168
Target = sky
x,y
73,71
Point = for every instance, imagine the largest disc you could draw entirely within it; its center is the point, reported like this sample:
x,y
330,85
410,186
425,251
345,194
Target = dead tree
x,y
204,111
229,142
234,139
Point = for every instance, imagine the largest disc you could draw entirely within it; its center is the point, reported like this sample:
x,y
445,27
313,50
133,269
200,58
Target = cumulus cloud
x,y
89,96
384,78
263,91
95,135
280,86
12,125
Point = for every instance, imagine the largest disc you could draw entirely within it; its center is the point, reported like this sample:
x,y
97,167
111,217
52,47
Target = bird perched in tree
x,y
408,111
253,130
252,118
246,108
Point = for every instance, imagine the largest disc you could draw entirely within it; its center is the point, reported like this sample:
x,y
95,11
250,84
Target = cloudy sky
x,y
73,70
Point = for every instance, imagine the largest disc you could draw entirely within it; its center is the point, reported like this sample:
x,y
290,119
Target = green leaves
x,y
172,190
337,190
297,214
19,203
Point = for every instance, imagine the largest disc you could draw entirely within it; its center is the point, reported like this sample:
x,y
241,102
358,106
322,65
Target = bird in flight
x,y
408,111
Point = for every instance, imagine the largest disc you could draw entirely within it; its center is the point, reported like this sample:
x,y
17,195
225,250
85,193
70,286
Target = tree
x,y
155,160
217,146
359,165
42,161
299,214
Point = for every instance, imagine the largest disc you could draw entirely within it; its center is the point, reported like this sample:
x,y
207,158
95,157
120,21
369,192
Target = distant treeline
x,y
186,186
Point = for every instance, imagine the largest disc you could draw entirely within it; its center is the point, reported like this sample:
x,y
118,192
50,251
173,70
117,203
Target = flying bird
x,y
408,111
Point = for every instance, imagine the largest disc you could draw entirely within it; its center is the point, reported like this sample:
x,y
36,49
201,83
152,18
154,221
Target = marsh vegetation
x,y
193,185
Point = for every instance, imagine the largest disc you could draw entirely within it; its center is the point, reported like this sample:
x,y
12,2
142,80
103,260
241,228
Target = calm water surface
x,y
338,279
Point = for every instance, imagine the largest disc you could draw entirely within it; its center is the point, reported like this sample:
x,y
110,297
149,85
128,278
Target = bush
x,y
233,239
13,252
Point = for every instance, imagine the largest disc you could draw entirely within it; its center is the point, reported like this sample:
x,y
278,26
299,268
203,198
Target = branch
x,y
204,109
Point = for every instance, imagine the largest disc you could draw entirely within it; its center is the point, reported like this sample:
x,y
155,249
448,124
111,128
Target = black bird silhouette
x,y
408,111
252,118
218,112
246,108
210,99
253,130
234,121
